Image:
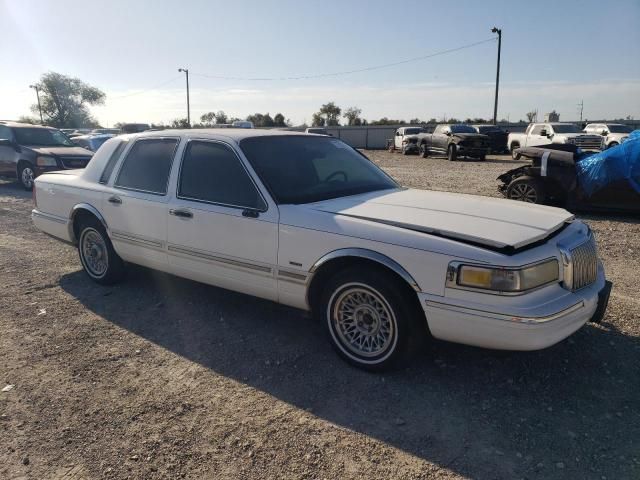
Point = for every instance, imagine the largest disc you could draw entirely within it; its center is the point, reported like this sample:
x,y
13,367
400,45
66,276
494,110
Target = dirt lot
x,y
161,377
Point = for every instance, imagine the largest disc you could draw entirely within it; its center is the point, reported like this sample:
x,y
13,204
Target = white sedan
x,y
307,221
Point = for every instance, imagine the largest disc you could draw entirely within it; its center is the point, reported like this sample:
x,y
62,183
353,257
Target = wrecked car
x,y
564,175
454,141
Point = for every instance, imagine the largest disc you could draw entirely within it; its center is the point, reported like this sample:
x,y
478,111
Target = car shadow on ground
x,y
569,410
11,188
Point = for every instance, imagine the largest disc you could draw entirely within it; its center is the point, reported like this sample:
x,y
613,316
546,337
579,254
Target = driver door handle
x,y
115,199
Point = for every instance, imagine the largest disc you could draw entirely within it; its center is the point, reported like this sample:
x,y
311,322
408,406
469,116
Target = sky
x,y
555,54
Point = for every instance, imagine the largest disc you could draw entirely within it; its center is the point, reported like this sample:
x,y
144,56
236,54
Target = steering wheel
x,y
338,172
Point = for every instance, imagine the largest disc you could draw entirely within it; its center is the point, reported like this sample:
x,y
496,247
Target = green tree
x,y
318,120
352,114
25,119
179,123
65,101
279,120
260,120
330,112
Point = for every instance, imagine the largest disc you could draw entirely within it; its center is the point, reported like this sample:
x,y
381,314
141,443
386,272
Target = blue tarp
x,y
619,163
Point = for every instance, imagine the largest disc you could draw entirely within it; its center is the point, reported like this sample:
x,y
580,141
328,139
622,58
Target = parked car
x,y
112,131
497,137
454,141
242,124
307,221
405,140
134,127
318,131
613,133
544,133
91,142
27,151
558,172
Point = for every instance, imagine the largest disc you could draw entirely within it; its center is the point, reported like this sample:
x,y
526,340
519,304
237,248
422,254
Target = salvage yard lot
x,y
161,377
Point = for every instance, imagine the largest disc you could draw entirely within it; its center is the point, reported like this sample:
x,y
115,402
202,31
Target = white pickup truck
x,y
307,221
613,133
546,133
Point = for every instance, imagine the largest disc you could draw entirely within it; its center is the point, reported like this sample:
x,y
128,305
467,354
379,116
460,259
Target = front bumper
x,y
532,327
471,151
411,148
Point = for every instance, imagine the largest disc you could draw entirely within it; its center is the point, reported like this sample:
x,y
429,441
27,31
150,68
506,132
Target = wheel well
x,y
22,162
327,270
80,216
515,145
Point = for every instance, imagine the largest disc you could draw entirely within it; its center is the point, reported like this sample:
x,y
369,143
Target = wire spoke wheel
x,y
363,321
94,252
524,192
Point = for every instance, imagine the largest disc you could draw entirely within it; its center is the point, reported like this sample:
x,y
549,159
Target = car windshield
x,y
305,169
619,128
42,137
565,128
462,129
413,131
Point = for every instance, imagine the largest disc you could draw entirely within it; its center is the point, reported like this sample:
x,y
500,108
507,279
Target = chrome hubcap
x,y
27,177
524,193
94,252
363,321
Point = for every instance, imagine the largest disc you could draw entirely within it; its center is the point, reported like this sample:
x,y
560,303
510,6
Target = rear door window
x,y
147,165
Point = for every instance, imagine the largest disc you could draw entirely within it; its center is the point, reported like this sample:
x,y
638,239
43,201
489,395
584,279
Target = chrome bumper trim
x,y
502,316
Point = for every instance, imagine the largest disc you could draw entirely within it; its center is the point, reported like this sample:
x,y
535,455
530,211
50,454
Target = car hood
x,y
62,151
464,136
490,222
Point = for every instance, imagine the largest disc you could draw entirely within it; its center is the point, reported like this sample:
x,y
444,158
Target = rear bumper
x,y
58,227
503,330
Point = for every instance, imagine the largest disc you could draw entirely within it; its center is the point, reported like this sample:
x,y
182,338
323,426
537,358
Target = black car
x,y
497,137
27,151
553,179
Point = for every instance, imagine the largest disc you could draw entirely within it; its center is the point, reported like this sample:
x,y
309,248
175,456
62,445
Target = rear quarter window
x,y
111,163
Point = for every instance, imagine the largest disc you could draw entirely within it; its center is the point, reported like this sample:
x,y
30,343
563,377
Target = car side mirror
x,y
604,133
448,134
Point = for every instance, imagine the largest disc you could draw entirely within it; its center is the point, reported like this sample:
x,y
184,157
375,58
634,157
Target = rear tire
x,y
482,158
452,153
370,318
527,189
99,260
26,175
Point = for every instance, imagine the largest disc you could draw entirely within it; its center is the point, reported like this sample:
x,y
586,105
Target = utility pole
x,y
581,105
186,71
495,105
36,87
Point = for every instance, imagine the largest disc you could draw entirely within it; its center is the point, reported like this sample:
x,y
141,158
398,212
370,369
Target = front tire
x,y
452,153
371,320
612,144
526,189
99,260
26,176
514,154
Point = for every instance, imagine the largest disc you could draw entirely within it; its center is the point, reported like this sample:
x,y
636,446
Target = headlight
x,y
44,161
508,280
569,140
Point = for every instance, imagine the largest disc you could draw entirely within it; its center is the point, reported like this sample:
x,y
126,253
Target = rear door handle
x,y
115,199
181,213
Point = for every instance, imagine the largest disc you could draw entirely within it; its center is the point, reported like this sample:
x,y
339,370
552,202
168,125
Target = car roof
x,y
24,125
235,134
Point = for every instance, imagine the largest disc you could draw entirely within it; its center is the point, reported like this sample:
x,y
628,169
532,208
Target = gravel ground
x,y
160,377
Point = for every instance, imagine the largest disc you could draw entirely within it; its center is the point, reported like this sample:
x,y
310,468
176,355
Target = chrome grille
x,y
588,142
583,265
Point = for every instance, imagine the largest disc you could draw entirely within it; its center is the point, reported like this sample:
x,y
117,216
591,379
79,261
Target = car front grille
x,y
581,266
75,162
588,142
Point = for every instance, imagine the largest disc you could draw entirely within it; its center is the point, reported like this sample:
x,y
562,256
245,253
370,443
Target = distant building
x,y
552,117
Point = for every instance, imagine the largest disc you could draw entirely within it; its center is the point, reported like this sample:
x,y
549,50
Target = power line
x,y
148,89
348,72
